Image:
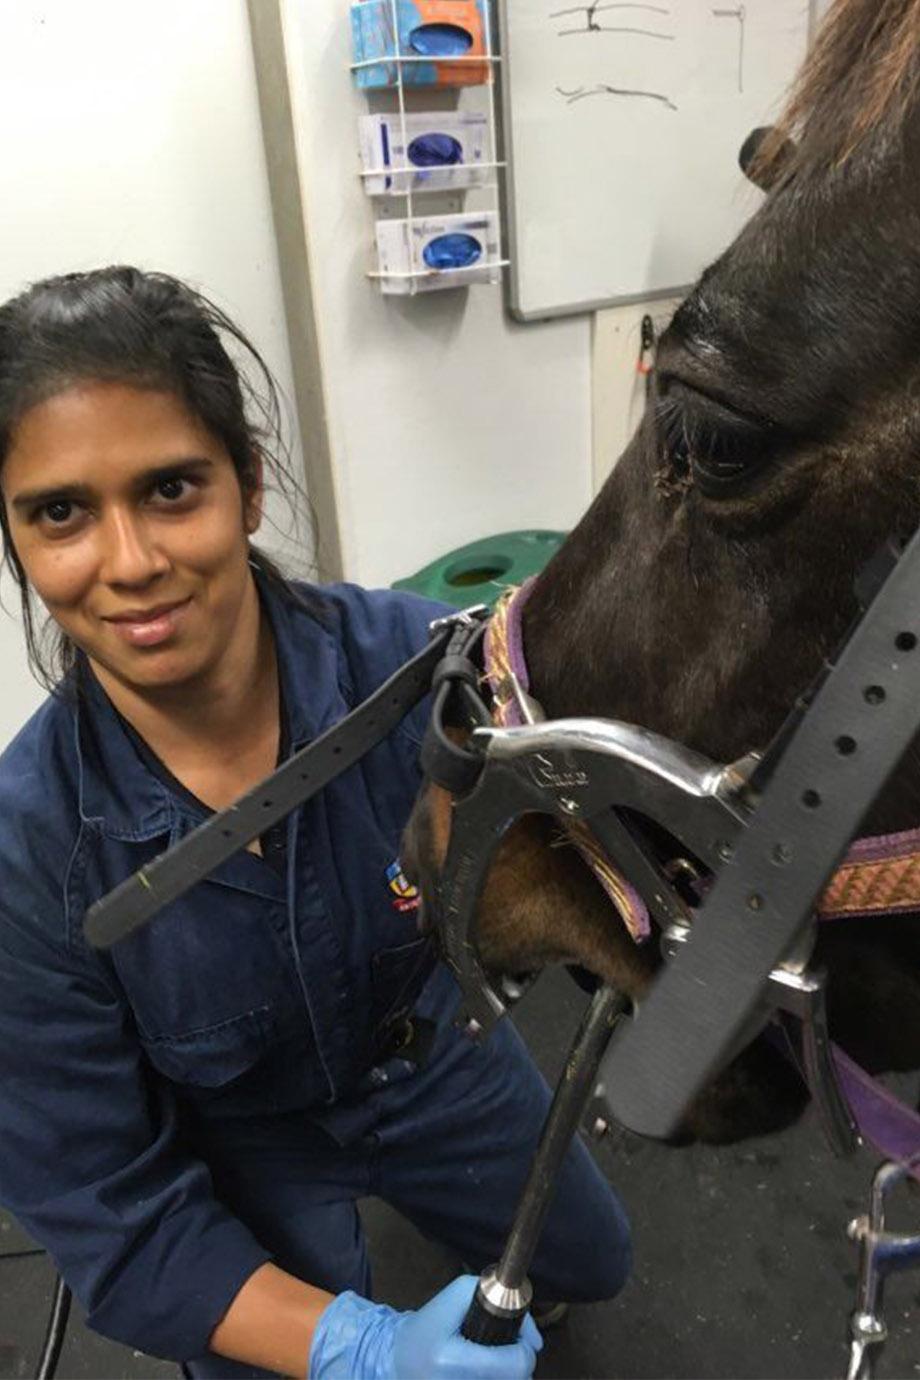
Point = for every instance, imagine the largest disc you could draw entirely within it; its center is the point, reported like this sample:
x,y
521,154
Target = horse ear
x,y
764,176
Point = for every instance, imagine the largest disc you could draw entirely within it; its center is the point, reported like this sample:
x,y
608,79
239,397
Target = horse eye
x,y
720,454
705,440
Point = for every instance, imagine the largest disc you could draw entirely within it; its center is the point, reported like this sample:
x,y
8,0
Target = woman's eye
x,y
58,511
172,487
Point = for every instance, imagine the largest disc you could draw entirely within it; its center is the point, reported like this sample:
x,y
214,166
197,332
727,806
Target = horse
x,y
714,572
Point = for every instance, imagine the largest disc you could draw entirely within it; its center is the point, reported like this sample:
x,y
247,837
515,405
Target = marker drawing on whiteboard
x,y
580,93
739,13
593,26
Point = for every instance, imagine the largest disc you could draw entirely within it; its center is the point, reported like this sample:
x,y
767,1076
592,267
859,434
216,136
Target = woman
x,y
190,1118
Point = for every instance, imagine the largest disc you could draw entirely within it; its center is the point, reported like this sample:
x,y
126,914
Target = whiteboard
x,y
622,127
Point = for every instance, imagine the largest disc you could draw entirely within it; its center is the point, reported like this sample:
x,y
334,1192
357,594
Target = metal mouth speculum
x,y
584,770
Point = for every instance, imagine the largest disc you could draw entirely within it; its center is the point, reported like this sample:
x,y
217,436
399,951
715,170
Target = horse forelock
x,y
856,92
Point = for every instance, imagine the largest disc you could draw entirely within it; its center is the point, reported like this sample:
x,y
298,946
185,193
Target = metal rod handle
x,y
504,1291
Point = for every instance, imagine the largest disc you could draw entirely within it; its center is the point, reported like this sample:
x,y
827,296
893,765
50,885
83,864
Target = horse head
x,y
714,572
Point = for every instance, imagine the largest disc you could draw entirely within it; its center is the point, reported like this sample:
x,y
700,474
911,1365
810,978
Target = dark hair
x,y
122,325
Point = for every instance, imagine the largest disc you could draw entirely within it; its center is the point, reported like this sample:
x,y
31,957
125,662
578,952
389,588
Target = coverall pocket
x,y
209,979
215,1055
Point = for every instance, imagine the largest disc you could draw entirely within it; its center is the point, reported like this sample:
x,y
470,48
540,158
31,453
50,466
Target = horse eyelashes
x,y
694,445
675,443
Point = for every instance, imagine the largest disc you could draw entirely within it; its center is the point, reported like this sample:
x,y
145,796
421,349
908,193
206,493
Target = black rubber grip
x,y
487,1328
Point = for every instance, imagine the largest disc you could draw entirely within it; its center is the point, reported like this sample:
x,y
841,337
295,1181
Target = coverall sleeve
x,y
92,1163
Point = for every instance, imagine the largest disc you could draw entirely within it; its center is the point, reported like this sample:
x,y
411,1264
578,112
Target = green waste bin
x,y
477,574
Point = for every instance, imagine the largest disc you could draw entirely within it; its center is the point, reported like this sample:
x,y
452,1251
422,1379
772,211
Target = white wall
x,y
131,134
447,421
618,390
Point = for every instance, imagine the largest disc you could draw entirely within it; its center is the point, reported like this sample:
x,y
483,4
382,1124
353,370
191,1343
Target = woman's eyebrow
x,y
31,498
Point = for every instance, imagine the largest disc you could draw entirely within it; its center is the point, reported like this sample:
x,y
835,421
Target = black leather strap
x,y
139,898
457,703
836,762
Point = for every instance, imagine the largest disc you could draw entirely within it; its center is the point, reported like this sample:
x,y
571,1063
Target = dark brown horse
x,y
715,570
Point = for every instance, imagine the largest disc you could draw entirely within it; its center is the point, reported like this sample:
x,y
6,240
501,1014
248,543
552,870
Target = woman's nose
x,y
129,555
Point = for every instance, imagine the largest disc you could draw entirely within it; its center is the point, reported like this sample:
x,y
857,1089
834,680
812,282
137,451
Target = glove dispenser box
x,y
427,151
437,42
427,253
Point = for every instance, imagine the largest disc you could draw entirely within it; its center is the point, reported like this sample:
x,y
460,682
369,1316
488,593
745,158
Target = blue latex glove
x,y
359,1340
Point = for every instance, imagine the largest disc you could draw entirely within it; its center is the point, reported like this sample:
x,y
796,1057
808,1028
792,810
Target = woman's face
x,y
129,521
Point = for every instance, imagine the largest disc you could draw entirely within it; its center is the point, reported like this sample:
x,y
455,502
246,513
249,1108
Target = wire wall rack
x,y
424,250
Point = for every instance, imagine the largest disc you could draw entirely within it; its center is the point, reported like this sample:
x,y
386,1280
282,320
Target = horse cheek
x,y
540,905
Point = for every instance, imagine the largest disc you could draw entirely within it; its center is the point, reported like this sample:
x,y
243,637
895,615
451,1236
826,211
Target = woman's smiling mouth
x,y
148,627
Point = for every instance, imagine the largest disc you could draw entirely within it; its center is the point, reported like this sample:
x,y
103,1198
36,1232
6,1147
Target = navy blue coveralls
x,y
210,1094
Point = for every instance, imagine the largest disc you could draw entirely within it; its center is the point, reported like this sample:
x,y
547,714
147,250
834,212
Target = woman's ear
x,y
253,494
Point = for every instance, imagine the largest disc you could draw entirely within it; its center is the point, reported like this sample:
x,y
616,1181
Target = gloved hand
x,y
359,1340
